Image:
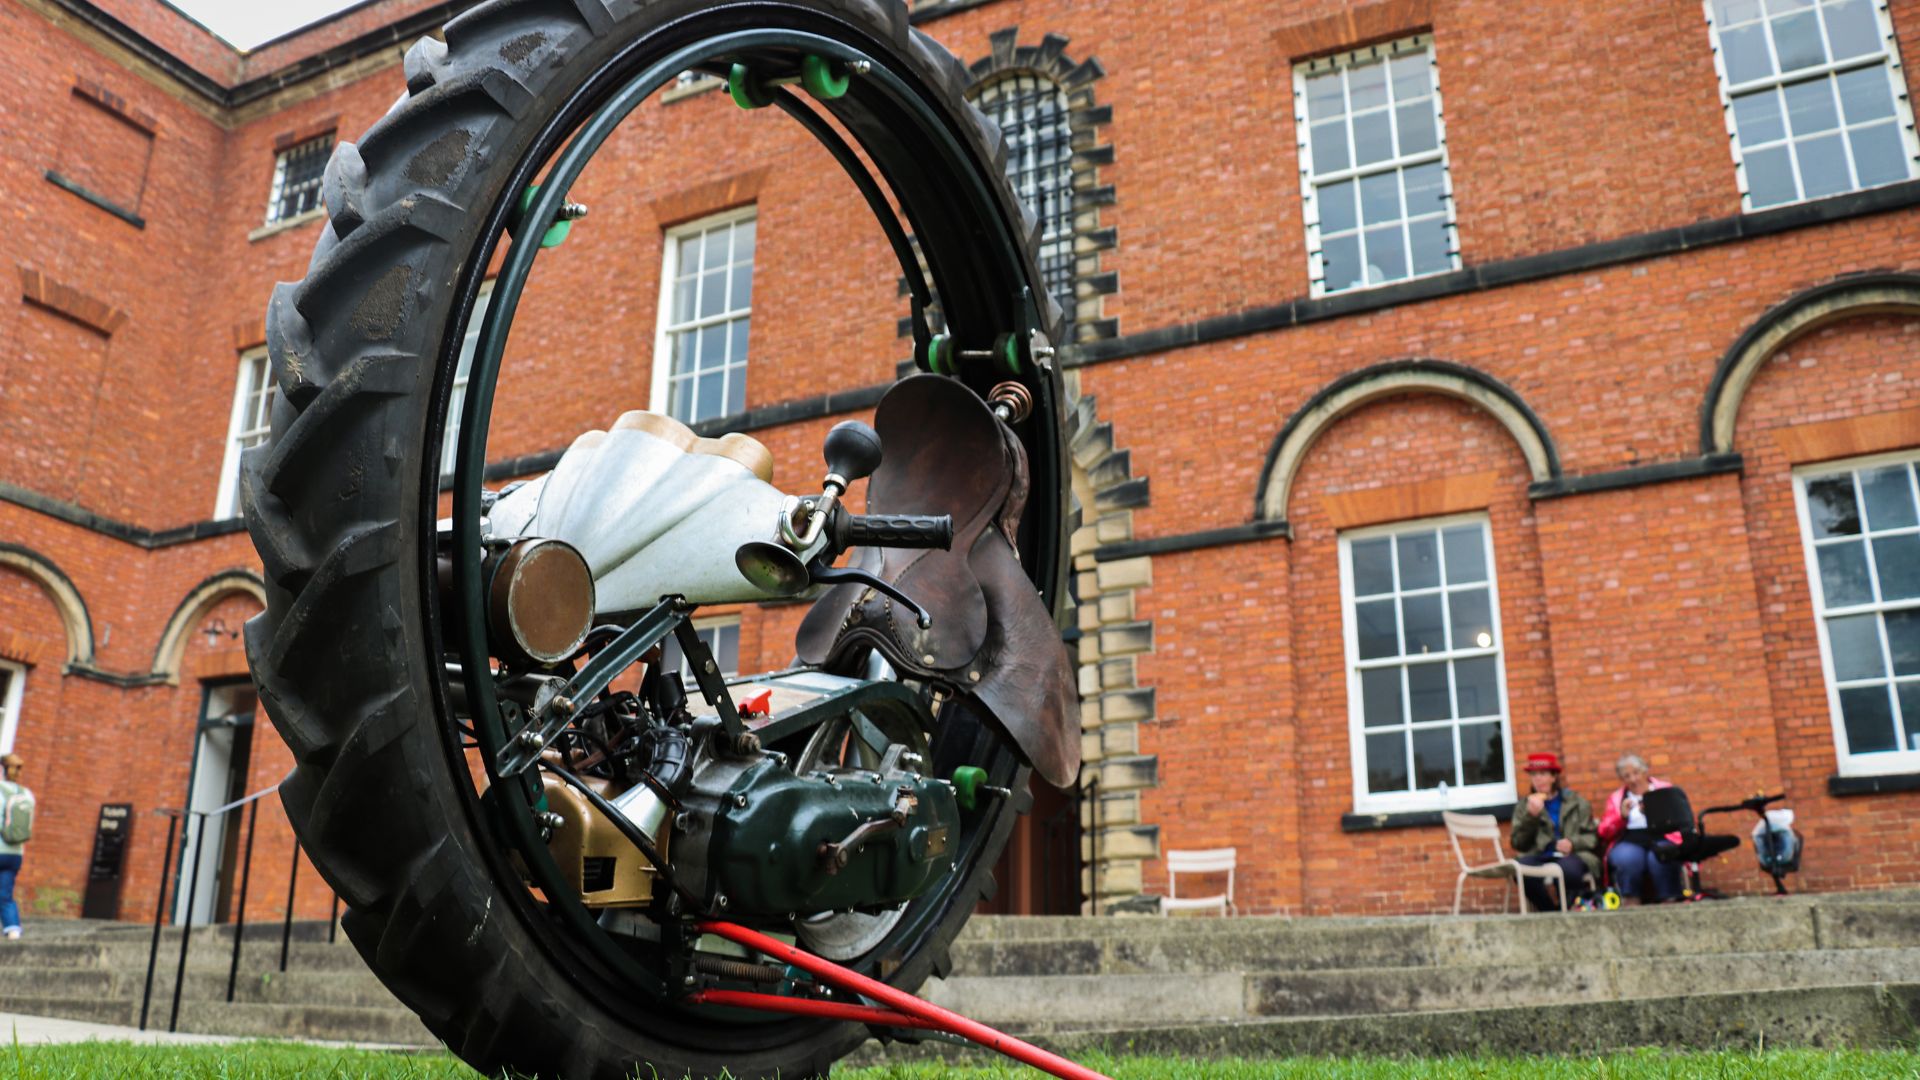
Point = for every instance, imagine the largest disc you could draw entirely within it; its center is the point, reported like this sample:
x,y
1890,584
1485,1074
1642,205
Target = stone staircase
x,y
96,971
1841,970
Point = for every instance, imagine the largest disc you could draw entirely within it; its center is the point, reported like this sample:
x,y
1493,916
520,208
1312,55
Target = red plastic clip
x,y
760,704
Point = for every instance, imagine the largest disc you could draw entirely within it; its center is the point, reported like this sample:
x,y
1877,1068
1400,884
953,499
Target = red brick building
x,y
1456,385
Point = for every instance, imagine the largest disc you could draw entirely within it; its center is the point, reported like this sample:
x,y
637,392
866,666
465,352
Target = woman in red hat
x,y
1554,825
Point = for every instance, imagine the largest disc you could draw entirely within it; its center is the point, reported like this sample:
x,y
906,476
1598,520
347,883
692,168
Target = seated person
x,y
1632,857
1554,825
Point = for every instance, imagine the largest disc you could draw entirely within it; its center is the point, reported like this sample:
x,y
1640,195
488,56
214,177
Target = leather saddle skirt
x,y
992,638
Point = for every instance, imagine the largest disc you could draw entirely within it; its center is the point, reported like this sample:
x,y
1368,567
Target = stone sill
x,y
274,228
1409,819
928,11
693,89
1884,784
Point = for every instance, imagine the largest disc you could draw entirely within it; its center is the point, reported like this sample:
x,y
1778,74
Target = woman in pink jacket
x,y
1624,826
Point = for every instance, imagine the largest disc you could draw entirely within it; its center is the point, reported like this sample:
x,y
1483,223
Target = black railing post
x,y
186,925
159,912
286,928
240,912
333,921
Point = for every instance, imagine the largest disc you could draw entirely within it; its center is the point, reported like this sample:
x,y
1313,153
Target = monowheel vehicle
x,y
525,808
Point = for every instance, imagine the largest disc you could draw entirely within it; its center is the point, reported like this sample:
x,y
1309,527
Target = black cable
x,y
629,830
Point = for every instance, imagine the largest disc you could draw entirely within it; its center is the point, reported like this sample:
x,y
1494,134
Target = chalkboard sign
x,y
106,871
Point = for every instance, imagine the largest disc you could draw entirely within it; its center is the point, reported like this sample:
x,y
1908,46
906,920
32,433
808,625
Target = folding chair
x,y
1475,827
1205,861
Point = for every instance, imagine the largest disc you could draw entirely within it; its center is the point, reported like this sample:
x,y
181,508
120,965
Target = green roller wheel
x,y
940,355
747,91
967,782
1006,354
823,78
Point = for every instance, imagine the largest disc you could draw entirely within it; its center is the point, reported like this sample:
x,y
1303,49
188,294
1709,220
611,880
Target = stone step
x,y
328,1023
1261,945
62,982
97,931
1836,1017
201,956
51,954
1060,946
93,1009
353,989
1093,1000
1379,991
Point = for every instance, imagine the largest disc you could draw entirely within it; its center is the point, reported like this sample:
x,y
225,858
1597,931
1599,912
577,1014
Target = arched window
x,y
1032,114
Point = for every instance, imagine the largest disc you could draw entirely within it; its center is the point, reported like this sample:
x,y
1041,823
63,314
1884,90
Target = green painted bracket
x,y
556,232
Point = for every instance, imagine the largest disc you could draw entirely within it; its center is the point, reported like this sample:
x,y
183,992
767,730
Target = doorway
x,y
1039,872
222,754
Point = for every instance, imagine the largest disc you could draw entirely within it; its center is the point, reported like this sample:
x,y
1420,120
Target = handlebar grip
x,y
892,530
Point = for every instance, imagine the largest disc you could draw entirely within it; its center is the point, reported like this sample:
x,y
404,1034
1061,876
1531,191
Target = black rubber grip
x,y
892,530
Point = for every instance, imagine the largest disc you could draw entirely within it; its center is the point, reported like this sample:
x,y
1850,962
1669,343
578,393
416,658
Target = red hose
x,y
936,1017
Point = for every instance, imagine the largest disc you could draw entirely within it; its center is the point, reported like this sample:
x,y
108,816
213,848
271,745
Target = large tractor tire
x,y
350,652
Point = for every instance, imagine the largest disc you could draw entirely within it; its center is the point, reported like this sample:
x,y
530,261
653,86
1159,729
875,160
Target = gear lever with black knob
x,y
852,451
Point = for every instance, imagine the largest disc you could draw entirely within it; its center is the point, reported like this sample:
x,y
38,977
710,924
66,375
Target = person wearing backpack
x,y
16,828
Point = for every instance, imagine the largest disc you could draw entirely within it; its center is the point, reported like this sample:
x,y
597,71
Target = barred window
x,y
1425,686
1031,112
296,178
1861,525
1373,166
1815,101
248,427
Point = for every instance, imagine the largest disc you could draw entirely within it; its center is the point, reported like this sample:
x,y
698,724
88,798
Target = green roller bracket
x,y
556,232
823,78
745,90
967,782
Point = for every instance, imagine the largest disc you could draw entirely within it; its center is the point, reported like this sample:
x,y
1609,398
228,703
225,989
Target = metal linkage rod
x,y
904,1004
799,1006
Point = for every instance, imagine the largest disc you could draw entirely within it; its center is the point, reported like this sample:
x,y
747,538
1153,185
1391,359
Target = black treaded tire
x,y
361,355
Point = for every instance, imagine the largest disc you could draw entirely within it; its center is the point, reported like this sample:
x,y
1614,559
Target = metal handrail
x,y
174,818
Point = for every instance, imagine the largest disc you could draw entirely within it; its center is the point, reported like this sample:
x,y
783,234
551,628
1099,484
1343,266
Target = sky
x,y
247,23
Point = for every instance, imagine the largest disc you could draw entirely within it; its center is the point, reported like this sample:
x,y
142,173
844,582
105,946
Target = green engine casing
x,y
765,855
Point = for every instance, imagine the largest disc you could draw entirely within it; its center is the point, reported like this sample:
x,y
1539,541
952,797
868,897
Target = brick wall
x,y
1856,370
1670,619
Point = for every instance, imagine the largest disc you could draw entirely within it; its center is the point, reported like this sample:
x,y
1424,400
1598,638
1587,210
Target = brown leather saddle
x,y
992,638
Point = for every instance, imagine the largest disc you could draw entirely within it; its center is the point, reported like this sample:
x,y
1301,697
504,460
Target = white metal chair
x,y
1205,861
1476,827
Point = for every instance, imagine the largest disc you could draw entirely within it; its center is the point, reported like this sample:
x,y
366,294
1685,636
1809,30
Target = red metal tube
x,y
831,1010
937,1017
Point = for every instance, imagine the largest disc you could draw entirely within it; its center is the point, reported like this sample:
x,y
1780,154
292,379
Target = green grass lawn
x,y
273,1061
